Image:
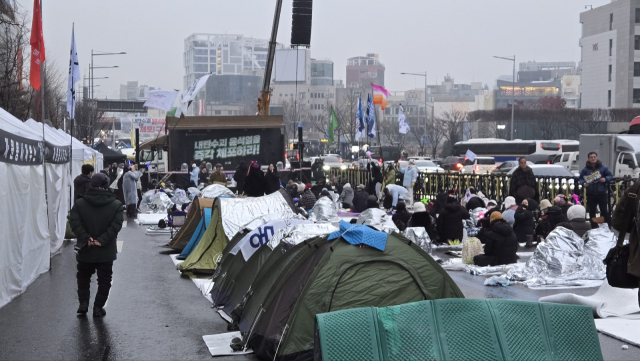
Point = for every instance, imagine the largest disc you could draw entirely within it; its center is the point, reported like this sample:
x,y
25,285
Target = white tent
x,y
24,233
58,186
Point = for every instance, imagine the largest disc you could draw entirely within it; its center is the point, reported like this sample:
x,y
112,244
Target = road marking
x,y
119,245
124,224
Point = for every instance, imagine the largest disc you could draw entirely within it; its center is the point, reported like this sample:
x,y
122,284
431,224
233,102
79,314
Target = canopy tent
x,y
25,245
194,216
110,155
83,152
228,217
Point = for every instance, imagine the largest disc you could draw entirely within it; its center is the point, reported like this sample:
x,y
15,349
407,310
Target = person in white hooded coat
x,y
129,186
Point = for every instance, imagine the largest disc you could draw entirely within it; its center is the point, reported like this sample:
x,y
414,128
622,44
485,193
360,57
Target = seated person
x,y
308,199
501,244
450,226
549,221
577,221
372,202
422,218
485,224
360,199
401,217
346,197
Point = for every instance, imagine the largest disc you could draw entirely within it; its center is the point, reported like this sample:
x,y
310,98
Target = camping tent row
x,y
35,180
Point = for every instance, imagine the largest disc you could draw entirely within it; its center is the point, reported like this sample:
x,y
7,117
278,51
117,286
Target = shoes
x,y
83,309
98,312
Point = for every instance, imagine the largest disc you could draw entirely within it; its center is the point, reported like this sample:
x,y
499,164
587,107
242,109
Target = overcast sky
x,y
453,37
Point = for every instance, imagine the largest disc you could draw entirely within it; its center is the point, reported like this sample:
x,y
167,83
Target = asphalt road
x,y
153,313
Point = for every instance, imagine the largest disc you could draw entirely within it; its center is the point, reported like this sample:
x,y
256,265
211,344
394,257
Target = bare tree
x,y
294,113
435,134
346,113
452,124
87,120
14,38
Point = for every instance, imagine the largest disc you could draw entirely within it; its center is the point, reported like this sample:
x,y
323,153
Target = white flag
x,y
190,94
74,76
402,122
161,99
470,155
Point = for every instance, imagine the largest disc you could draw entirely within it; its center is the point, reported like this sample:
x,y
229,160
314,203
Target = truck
x,y
619,152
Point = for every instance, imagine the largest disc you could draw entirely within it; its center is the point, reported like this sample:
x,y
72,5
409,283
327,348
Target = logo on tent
x,y
262,236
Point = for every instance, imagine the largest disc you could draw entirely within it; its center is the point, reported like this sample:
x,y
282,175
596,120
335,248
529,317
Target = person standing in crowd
x,y
576,220
195,172
96,220
524,222
308,199
410,177
113,173
509,212
139,189
450,221
401,216
596,177
376,177
204,173
390,177
360,199
500,245
396,193
254,184
346,197
82,183
318,170
130,189
240,176
273,179
523,183
317,188
218,177
620,223
105,170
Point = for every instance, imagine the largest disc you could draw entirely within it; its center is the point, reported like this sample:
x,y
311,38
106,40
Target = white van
x,y
480,165
569,160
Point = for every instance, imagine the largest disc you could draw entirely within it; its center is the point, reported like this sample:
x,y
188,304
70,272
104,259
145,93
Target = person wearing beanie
x,y
501,244
422,218
346,197
577,221
218,177
450,221
96,219
562,202
308,199
255,184
359,202
544,205
372,202
509,212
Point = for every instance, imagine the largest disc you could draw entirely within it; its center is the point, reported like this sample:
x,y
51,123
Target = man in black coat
x,y
360,200
500,245
523,183
254,184
450,221
239,176
96,219
82,183
524,221
376,178
273,179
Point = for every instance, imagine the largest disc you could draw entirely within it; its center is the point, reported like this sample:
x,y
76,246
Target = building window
x,y
636,95
610,47
636,69
637,15
218,112
637,43
610,71
609,97
610,21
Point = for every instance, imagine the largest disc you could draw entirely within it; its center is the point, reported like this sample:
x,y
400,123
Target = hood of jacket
x,y
98,197
453,207
501,227
533,205
598,165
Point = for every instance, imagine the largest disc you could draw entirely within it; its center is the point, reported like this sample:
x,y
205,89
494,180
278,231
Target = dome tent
x,y
354,267
194,217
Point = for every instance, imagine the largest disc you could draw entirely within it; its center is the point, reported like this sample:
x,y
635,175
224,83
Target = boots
x,y
98,311
83,298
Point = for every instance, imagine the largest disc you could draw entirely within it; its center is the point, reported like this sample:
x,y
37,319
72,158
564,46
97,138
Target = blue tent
x,y
197,235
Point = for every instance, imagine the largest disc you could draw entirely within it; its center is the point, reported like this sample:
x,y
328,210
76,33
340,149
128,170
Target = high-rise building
x,y
364,70
610,55
133,91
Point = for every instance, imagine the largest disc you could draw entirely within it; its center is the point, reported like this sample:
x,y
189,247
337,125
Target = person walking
x,y
595,176
82,183
195,173
500,245
240,176
130,189
272,179
410,176
523,183
96,220
218,177
254,184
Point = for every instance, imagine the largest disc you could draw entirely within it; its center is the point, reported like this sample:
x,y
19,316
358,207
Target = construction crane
x,y
265,94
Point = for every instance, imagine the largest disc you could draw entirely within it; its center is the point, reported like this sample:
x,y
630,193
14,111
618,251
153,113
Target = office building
x,y
534,80
133,91
364,70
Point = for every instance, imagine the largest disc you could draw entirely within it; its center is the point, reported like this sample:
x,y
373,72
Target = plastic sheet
x,y
180,197
497,281
154,201
489,270
419,236
193,192
378,219
324,210
215,191
299,233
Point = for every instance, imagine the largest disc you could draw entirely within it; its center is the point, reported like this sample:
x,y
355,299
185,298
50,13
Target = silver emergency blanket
x,y
290,237
419,236
470,224
378,219
236,212
324,210
489,270
180,197
193,192
154,201
564,259
215,191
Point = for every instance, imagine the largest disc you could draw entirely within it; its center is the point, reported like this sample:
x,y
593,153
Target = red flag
x,y
37,46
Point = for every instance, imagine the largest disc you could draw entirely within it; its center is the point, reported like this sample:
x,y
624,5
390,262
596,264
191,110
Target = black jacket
x,y
308,199
523,225
372,202
81,185
578,225
450,222
521,178
254,184
475,202
441,200
376,173
273,181
401,219
423,219
501,243
317,189
98,214
240,176
360,201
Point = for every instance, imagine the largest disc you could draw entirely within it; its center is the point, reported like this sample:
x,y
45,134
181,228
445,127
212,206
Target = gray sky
x,y
455,37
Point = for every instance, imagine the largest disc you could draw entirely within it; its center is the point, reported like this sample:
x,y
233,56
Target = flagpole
x,y
44,167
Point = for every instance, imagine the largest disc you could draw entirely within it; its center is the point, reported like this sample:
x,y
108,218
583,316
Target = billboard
x,y
149,127
285,65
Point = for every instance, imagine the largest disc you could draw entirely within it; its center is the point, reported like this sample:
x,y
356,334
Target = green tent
x,y
194,216
320,276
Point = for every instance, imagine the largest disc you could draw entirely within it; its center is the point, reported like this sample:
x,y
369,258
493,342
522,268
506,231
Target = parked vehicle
x,y
361,163
480,165
452,163
503,150
540,158
505,167
568,160
419,158
332,161
427,166
547,170
619,152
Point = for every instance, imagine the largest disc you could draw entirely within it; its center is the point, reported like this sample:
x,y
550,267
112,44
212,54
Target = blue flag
x,y
360,129
371,118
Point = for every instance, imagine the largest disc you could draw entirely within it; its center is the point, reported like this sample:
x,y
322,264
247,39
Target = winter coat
x,y
475,202
423,219
441,200
97,215
360,201
450,222
346,196
318,172
501,243
317,189
204,176
272,179
410,175
596,187
390,178
521,178
524,222
254,184
292,190
217,177
578,225
195,173
81,185
620,224
376,174
130,187
308,199
240,176
509,215
372,202
396,193
554,218
401,219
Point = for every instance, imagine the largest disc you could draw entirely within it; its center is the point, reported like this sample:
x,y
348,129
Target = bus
x,y
505,150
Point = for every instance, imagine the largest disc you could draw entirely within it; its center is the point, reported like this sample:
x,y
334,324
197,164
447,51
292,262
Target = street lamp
x,y
425,103
513,88
91,67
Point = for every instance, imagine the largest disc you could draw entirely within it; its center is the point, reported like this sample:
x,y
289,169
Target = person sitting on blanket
x,y
500,245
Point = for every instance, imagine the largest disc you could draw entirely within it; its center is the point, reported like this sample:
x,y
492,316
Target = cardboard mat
x,y
621,328
218,345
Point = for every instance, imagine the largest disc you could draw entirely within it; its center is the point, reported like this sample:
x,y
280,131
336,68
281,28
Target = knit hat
x,y
491,201
308,186
347,185
496,216
575,212
100,180
509,202
545,204
559,199
218,165
360,186
419,207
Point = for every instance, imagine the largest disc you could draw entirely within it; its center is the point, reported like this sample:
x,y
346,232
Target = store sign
x,y
18,150
226,148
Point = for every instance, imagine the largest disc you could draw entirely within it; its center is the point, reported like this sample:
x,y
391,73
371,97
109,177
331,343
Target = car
x,y
361,163
540,158
452,163
547,170
479,165
568,160
427,166
505,167
332,161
